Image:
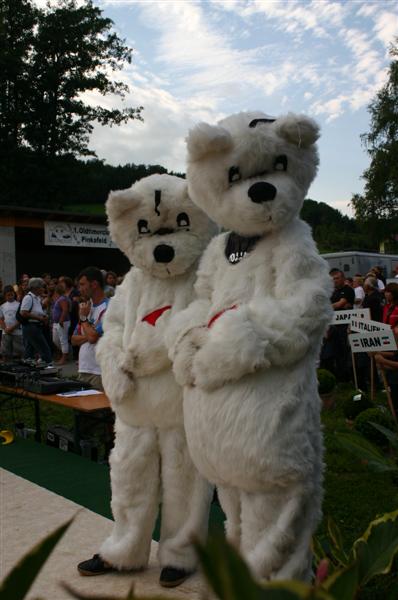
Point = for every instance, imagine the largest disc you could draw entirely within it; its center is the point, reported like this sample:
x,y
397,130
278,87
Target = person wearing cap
x,y
35,318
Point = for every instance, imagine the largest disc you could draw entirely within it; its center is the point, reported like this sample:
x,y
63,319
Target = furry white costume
x,y
246,349
163,234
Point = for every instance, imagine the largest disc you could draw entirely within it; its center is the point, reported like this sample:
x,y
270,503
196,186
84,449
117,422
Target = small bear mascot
x,y
163,234
246,349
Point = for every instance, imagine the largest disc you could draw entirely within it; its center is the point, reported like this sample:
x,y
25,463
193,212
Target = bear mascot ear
x,y
119,202
207,139
117,206
298,129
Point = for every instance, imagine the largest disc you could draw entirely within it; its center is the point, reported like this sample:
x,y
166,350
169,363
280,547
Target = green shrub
x,y
326,381
374,415
356,403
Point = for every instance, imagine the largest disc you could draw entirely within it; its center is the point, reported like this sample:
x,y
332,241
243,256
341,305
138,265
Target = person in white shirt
x,y
11,341
357,284
35,318
89,329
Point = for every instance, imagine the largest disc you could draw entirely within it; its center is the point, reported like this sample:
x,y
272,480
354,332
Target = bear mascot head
x,y
251,172
157,226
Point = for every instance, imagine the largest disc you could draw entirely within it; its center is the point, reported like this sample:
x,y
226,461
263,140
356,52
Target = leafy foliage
x,y
363,424
378,206
332,231
326,381
49,58
356,403
61,181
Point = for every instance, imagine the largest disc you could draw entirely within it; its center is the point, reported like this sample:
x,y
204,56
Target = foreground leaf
x,y
392,436
336,538
318,550
358,445
294,590
226,571
376,549
343,584
17,583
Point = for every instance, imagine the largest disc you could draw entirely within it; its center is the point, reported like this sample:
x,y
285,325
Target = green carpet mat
x,y
67,474
71,476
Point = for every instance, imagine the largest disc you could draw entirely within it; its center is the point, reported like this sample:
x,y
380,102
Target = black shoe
x,y
94,566
171,577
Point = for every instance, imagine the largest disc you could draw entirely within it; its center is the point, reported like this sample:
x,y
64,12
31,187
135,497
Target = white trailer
x,y
354,262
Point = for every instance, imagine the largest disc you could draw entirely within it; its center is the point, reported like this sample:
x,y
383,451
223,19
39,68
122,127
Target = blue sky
x,y
202,60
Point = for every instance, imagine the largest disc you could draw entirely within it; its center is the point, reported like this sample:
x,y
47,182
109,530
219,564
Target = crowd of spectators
x,y
381,298
59,319
56,320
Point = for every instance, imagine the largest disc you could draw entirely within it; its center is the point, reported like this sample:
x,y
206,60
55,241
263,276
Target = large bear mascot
x,y
163,234
246,349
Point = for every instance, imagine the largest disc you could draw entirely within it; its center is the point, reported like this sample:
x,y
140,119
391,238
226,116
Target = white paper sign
x,y
343,317
382,341
59,233
79,393
365,326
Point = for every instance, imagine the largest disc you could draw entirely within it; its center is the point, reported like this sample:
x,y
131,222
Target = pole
x,y
354,369
372,378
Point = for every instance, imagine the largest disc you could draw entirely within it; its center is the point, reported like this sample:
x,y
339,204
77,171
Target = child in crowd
x,y
61,322
11,341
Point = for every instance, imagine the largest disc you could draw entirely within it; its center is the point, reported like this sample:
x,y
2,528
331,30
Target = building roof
x,y
50,215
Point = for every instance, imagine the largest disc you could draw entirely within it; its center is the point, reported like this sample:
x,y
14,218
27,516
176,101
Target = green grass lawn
x,y
354,496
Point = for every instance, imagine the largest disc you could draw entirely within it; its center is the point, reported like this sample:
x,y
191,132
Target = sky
x,y
203,60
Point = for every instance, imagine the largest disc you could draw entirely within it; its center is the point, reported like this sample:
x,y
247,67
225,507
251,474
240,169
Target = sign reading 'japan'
x,y
343,317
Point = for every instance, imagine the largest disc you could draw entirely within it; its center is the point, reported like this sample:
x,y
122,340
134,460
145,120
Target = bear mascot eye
x,y
143,226
280,163
183,220
234,174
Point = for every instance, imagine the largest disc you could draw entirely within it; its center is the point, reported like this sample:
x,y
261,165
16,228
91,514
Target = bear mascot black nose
x,y
163,253
261,192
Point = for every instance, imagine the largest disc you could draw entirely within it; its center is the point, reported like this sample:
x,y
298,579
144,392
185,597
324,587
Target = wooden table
x,y
79,404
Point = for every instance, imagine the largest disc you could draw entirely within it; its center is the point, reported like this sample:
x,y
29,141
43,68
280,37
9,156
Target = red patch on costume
x,y
152,317
218,315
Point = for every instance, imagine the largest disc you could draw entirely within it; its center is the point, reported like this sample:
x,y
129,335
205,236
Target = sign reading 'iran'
x,y
381,341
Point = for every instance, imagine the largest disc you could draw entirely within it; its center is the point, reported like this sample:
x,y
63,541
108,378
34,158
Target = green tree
x,y
18,19
378,205
65,50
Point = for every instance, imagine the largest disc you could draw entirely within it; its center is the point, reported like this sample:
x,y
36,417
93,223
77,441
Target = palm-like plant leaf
x,y
17,583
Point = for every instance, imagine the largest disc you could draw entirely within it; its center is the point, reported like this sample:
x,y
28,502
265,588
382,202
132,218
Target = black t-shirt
x,y
373,302
346,292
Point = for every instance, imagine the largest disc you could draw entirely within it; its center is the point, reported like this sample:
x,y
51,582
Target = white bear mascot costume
x,y
163,234
246,348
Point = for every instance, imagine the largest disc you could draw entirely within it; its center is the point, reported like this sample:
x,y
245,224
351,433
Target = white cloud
x,y
368,9
160,138
332,108
386,27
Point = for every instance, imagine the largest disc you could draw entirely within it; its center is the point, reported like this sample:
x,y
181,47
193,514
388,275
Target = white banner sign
x,y
60,233
364,326
382,341
343,317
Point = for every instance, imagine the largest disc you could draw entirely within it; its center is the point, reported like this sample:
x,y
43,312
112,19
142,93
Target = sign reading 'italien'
x,y
83,235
